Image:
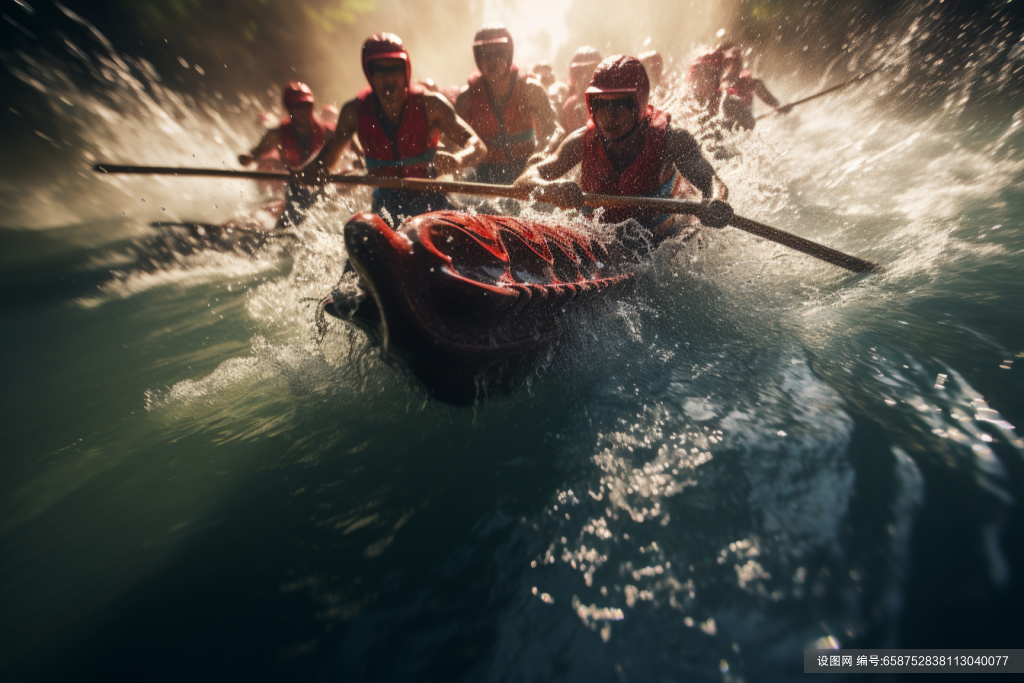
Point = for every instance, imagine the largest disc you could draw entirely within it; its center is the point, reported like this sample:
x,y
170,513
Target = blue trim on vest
x,y
506,141
424,158
665,191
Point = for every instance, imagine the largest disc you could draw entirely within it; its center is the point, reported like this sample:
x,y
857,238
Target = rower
x,y
301,135
737,91
581,68
704,77
510,112
628,148
399,126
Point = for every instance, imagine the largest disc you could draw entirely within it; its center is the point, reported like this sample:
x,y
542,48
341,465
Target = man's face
x,y
387,77
492,60
614,114
301,112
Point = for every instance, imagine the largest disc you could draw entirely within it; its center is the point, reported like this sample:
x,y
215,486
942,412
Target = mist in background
x,y
165,83
252,47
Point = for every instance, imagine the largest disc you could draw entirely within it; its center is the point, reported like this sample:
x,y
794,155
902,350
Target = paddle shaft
x,y
820,94
838,258
414,184
195,172
818,251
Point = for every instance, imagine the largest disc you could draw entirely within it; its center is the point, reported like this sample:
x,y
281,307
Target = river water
x,y
756,454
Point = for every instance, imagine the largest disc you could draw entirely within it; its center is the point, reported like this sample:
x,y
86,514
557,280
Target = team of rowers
x,y
503,125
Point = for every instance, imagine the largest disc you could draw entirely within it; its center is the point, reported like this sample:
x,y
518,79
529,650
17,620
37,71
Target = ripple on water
x,y
702,509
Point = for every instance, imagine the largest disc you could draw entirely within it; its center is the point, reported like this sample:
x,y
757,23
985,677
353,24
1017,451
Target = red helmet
x,y
621,74
584,56
297,93
494,34
386,46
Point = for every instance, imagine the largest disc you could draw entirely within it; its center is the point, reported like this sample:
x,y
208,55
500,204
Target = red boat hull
x,y
458,297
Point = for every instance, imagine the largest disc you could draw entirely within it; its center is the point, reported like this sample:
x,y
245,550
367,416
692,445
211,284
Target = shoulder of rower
x,y
348,118
571,148
272,136
270,140
576,136
436,105
535,92
680,140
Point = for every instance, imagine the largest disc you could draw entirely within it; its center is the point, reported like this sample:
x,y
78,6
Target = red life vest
x,y
645,177
293,153
413,147
742,87
510,137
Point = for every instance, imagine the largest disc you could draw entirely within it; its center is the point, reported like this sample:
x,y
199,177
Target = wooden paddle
x,y
820,94
818,251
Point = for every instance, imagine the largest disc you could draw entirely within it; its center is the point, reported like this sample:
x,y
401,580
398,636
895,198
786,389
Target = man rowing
x,y
581,68
628,148
510,112
704,77
737,92
399,125
292,143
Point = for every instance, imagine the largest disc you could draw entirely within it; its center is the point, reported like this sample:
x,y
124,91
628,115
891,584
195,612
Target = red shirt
x,y
293,152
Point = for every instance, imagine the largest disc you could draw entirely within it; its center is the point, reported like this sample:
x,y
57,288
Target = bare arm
x,y
544,177
684,153
549,133
271,140
762,92
319,167
464,103
469,149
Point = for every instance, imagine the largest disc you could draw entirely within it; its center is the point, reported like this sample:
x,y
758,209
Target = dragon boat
x,y
458,298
